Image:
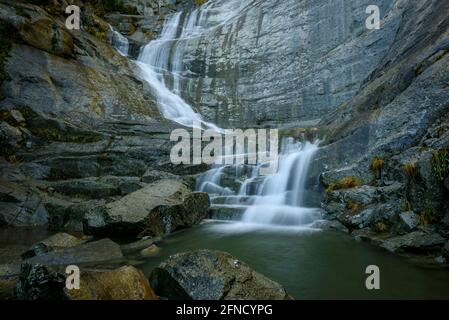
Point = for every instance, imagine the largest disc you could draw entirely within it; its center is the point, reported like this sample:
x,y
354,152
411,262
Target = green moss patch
x,y
440,164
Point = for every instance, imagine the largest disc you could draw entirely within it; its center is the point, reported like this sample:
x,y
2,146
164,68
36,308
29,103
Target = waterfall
x,y
119,42
161,60
273,201
280,198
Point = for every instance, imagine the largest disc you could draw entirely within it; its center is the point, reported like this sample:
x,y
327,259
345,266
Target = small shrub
x,y
426,217
9,154
376,166
354,207
440,164
441,131
345,183
409,169
199,2
103,7
407,206
380,227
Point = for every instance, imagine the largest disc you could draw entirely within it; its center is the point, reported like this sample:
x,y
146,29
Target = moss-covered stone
x,y
440,164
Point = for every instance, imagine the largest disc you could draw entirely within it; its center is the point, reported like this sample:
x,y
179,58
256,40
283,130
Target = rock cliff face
x,y
70,75
393,135
265,62
78,128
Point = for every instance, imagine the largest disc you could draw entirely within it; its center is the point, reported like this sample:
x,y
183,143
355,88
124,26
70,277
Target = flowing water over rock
x,y
161,61
119,42
274,201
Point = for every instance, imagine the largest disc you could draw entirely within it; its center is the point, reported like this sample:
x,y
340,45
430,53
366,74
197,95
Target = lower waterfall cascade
x,y
276,200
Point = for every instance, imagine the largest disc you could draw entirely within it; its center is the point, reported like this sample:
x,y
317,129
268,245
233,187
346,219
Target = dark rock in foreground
x,y
125,283
212,275
39,282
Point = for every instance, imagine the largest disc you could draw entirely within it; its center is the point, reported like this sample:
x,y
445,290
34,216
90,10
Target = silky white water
x,y
119,42
276,201
280,198
161,60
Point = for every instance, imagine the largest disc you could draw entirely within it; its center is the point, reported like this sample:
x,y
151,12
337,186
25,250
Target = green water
x,y
313,265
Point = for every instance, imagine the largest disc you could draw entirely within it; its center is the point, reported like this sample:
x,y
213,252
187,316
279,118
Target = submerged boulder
x,y
212,275
139,245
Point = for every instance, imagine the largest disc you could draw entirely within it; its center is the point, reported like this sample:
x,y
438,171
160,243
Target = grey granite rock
x,y
212,275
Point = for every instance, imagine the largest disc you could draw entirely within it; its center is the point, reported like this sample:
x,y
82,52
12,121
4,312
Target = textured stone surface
x,y
98,83
415,241
97,251
39,282
125,283
158,209
283,60
400,114
408,221
212,275
57,241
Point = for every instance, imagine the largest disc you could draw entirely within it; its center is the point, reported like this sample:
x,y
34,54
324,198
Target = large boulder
x,y
167,219
40,282
160,208
125,283
212,275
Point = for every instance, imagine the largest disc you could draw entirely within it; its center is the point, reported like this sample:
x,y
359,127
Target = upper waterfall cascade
x,y
161,60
